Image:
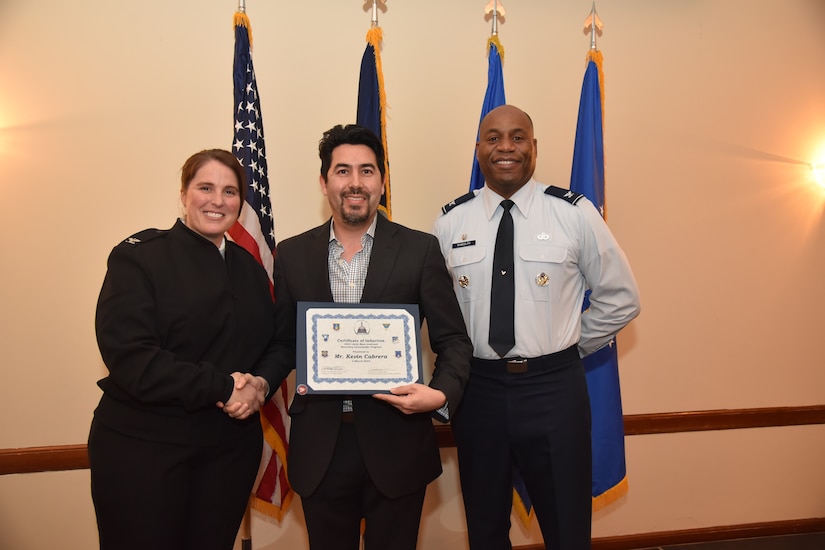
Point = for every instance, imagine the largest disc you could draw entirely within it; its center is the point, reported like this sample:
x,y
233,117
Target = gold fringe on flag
x,y
620,489
596,57
241,19
277,446
374,37
494,40
523,515
611,495
599,502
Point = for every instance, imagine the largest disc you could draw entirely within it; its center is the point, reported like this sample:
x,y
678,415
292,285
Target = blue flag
x,y
493,97
372,105
601,367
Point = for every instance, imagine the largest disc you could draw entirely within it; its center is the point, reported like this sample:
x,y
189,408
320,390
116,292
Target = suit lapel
x,y
316,256
384,255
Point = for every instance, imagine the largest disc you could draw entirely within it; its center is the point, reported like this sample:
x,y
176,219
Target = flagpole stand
x,y
246,528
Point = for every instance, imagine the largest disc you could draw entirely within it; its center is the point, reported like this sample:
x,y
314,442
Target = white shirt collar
x,y
370,229
523,198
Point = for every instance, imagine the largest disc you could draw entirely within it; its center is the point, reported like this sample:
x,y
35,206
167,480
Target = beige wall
x,y
712,110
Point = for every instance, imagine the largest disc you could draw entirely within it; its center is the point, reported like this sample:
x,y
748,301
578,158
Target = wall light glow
x,y
819,173
818,166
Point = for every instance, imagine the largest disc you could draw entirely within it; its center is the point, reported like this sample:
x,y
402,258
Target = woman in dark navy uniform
x,y
184,322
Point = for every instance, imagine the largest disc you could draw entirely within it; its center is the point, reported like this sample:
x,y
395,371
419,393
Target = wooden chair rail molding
x,y
74,457
705,534
699,421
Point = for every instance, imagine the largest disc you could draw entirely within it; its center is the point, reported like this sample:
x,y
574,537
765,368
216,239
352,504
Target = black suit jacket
x,y
406,267
173,320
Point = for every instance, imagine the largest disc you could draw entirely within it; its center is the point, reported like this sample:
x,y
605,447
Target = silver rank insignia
x,y
543,236
463,281
542,279
132,240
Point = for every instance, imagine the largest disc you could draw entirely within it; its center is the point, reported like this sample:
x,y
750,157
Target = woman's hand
x,y
248,396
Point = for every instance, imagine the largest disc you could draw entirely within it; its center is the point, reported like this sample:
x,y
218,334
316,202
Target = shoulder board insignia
x,y
455,202
143,236
565,194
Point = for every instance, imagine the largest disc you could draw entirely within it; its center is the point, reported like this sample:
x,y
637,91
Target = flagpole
x,y
494,94
594,23
246,523
593,28
376,6
246,528
496,8
372,102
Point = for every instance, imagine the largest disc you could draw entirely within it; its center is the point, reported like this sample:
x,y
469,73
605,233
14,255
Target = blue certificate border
x,y
304,363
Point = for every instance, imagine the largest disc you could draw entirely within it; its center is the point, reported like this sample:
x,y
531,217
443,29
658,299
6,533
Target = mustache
x,y
355,191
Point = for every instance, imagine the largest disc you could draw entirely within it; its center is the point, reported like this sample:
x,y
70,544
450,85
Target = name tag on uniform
x,y
462,244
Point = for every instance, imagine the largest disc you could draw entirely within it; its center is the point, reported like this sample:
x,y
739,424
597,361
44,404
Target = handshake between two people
x,y
248,396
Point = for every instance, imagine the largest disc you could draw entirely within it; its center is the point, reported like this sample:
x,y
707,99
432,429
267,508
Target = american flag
x,y
255,232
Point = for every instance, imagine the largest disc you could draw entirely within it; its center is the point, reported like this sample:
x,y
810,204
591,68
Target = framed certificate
x,y
356,348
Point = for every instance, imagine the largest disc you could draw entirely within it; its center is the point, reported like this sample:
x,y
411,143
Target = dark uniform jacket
x,y
406,267
174,319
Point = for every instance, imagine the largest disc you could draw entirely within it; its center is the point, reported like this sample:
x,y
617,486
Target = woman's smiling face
x,y
212,201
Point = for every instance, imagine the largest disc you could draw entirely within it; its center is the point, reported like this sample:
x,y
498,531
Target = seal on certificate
x,y
301,389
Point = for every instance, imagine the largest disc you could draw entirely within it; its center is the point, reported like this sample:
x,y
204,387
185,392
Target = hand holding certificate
x,y
357,348
414,398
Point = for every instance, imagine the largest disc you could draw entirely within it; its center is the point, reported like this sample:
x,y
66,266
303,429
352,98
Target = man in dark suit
x,y
367,456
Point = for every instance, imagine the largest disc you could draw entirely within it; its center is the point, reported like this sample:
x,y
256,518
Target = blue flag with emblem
x,y
601,367
372,105
493,97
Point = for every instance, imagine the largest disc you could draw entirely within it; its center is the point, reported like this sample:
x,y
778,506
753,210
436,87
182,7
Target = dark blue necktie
x,y
503,293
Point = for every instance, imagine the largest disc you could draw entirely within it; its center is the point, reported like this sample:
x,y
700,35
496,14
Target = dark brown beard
x,y
355,219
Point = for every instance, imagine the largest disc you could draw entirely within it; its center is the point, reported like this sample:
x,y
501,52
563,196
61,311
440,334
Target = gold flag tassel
x,y
374,38
494,40
242,20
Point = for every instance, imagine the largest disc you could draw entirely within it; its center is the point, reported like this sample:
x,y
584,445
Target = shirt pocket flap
x,y
550,253
466,255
